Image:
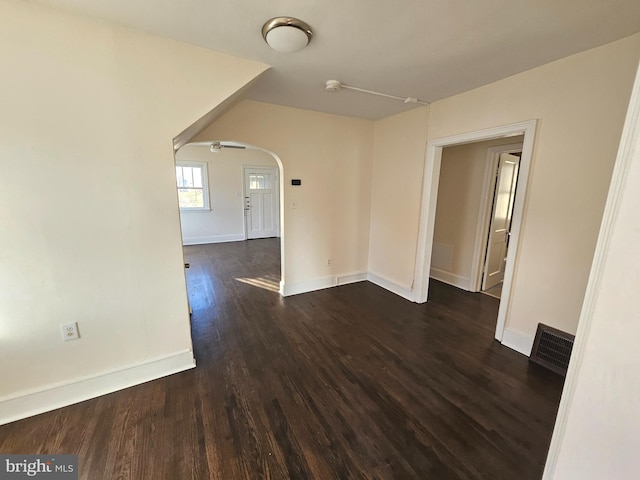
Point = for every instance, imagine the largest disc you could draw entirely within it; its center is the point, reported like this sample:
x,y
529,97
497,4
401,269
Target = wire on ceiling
x,y
335,85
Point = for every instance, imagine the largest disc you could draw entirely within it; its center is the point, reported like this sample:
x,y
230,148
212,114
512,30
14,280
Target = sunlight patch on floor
x,y
268,283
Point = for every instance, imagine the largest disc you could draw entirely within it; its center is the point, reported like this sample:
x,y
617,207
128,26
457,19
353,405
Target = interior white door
x,y
261,202
505,191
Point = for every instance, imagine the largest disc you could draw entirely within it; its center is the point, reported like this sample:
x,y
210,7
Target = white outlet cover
x,y
69,331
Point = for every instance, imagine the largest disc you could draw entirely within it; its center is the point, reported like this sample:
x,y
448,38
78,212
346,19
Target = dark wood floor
x,y
349,382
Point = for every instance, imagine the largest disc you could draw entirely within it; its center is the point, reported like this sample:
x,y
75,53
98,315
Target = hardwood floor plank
x,y
351,382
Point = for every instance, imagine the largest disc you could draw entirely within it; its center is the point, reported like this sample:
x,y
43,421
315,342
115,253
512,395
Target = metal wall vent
x,y
552,349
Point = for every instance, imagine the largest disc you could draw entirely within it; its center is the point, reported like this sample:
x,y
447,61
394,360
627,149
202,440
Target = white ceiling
x,y
429,49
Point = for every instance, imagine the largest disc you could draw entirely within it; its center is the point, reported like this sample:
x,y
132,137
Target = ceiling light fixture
x,y
286,34
335,85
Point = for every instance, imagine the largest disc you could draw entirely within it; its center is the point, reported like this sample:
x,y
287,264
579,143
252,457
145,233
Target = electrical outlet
x,y
328,262
70,331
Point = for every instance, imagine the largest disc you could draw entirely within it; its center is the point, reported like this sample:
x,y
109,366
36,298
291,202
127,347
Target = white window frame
x,y
205,186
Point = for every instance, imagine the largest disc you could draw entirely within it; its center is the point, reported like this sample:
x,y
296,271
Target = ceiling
x,y
429,49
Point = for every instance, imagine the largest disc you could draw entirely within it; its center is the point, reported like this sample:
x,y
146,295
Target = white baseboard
x,y
517,341
288,289
27,404
352,278
213,239
391,286
451,278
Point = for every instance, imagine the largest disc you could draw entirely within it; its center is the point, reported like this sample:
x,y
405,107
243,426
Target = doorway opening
x,y
244,189
425,251
503,165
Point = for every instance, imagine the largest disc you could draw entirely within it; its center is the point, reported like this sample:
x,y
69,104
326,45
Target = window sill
x,y
195,210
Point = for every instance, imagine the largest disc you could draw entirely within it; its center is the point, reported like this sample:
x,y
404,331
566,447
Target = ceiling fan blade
x,y
222,144
240,147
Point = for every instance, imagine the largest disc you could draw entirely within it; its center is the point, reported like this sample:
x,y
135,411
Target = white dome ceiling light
x,y
286,34
335,85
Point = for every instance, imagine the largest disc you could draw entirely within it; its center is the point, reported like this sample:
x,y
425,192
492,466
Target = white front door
x,y
505,191
261,202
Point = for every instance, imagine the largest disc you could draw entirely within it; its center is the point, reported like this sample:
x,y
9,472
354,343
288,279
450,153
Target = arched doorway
x,y
220,168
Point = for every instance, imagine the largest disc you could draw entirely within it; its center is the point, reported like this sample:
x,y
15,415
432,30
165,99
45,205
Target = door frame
x,y
484,210
276,169
431,180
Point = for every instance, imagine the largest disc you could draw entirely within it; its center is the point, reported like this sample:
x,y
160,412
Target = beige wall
x,y
580,103
398,162
460,191
332,156
225,221
90,226
596,433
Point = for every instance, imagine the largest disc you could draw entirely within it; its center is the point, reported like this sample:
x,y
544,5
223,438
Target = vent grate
x,y
552,349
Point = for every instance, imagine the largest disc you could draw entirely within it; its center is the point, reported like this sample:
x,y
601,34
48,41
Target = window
x,y
193,186
259,181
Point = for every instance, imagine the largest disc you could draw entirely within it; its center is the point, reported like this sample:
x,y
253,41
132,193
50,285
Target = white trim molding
x,y
288,289
239,237
351,278
429,199
391,286
518,341
34,402
450,278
